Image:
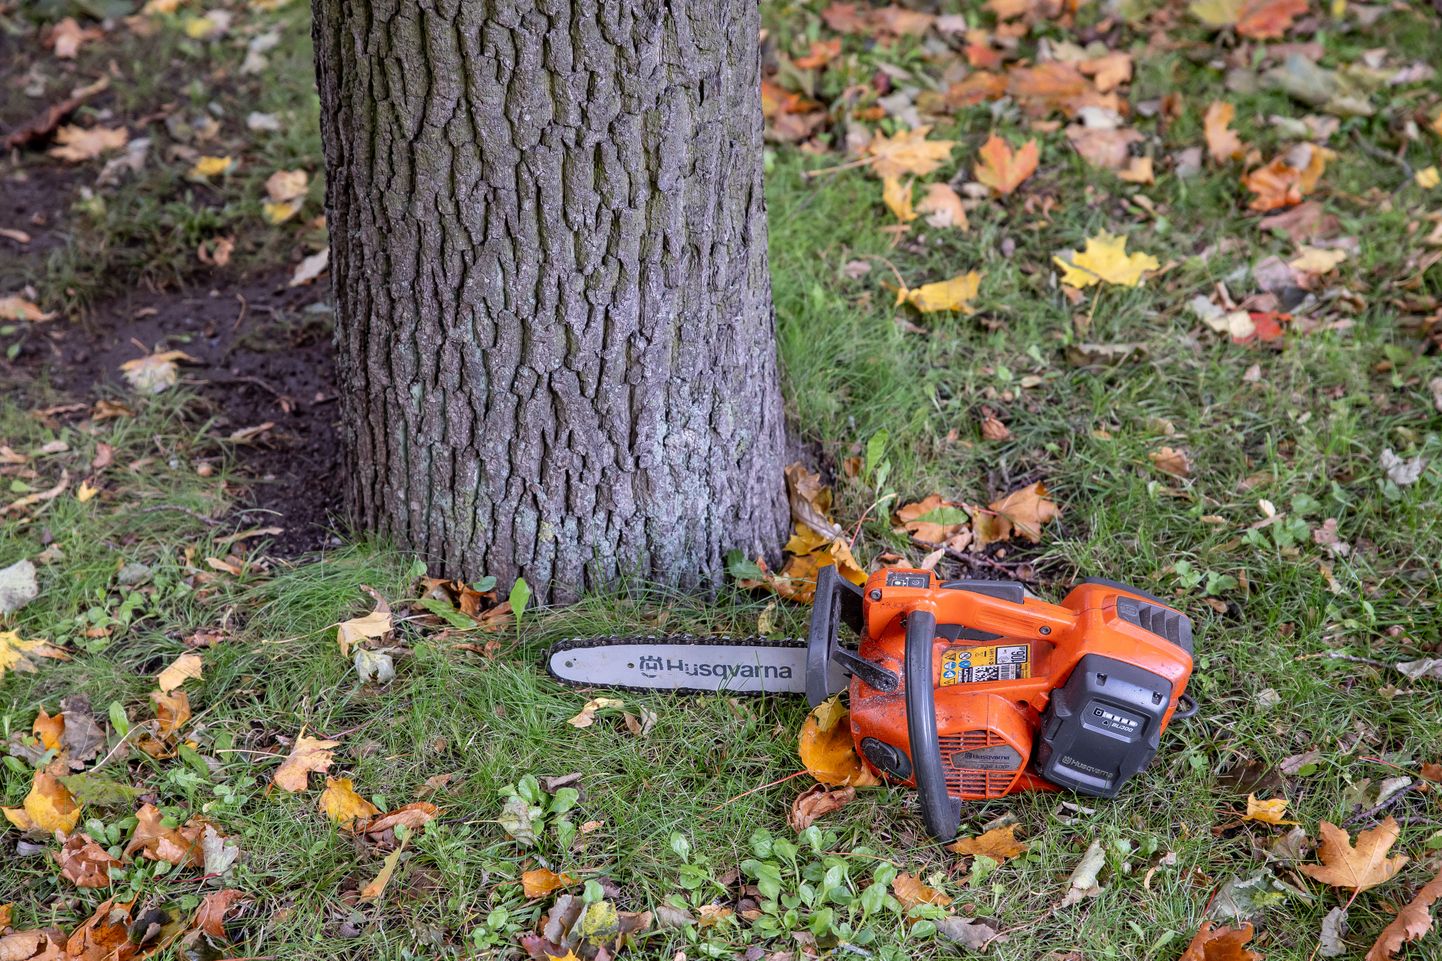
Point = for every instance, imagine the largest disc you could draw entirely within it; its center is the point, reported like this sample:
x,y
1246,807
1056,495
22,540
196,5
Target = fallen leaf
x,y
1257,19
1358,867
587,715
375,888
897,197
1104,260
15,307
210,916
310,268
84,863
1138,171
816,802
974,934
1212,943
942,207
908,152
1271,811
212,167
1001,168
1107,148
540,882
1401,471
1410,924
1171,460
1082,883
911,891
67,36
1284,181
1427,177
156,842
954,294
932,519
1315,260
1023,512
1223,144
376,624
49,807
827,750
411,816
999,844
309,754
1331,939
340,802
49,728
78,144
182,669
155,373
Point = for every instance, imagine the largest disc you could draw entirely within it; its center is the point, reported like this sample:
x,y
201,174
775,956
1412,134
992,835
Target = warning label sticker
x,y
976,665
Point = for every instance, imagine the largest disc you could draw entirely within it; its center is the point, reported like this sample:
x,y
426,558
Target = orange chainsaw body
x,y
998,657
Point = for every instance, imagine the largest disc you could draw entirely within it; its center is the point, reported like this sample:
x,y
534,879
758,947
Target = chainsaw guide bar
x,y
686,662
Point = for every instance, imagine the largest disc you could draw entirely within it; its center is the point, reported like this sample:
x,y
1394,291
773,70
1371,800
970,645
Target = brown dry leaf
x,y
182,669
210,916
84,863
1003,169
157,842
1171,460
816,802
1109,149
1021,513
911,891
1138,171
309,754
16,655
1108,71
104,937
1271,811
78,144
48,808
1212,943
357,630
897,197
540,882
34,945
999,844
909,152
340,802
1411,923
932,519
1358,867
67,36
156,372
826,748
412,816
1222,141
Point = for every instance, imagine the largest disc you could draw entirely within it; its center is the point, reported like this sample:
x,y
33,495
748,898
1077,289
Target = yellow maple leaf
x,y
373,625
1270,811
1105,260
340,802
897,197
909,152
15,654
954,294
48,807
182,669
212,166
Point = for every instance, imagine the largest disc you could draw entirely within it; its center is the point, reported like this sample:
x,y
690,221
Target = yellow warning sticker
x,y
977,665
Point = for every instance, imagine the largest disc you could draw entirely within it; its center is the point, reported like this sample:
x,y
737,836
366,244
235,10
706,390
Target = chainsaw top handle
x,y
940,812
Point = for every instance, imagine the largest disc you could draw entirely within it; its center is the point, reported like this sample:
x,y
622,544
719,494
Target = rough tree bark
x,y
553,314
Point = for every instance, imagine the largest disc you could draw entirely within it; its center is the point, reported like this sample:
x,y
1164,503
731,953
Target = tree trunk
x,y
553,316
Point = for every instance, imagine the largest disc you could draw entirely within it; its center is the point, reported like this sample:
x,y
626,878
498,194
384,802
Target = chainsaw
x,y
963,689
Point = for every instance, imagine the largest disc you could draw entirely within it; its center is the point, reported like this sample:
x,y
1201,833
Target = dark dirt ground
x,y
262,355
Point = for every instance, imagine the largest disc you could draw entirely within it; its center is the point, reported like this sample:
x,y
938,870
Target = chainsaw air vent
x,y
979,764
1173,626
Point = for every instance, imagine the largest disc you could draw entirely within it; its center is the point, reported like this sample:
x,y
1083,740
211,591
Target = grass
x,y
1296,431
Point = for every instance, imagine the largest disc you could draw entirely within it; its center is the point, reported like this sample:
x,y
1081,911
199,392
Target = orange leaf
x,y
1282,182
1003,170
1358,867
541,882
1268,19
307,755
49,729
340,802
157,842
826,748
1221,944
84,863
1023,513
1411,922
1222,141
909,152
1268,812
999,844
932,519
911,891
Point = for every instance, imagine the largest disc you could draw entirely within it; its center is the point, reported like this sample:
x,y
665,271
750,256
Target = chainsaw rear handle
x,y
939,810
